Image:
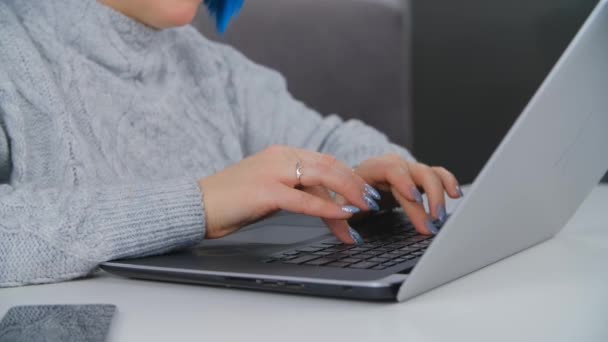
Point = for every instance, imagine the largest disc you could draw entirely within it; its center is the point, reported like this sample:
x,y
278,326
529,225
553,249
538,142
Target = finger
x,y
450,183
400,177
339,228
415,212
293,156
394,171
311,158
424,176
325,170
322,169
322,158
344,232
373,170
301,202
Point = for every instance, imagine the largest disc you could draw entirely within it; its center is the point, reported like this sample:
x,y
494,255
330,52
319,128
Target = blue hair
x,y
223,11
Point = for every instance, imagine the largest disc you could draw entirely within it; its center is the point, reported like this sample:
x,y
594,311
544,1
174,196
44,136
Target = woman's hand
x,y
267,182
402,178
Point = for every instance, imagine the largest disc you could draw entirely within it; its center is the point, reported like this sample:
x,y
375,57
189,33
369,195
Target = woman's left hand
x,y
402,178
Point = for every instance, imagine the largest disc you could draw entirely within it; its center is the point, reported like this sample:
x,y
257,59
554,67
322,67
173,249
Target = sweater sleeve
x,y
49,235
270,115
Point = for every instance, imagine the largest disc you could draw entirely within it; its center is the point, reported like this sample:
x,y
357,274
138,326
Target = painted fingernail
x,y
441,214
431,227
355,236
459,191
417,195
371,204
439,223
372,192
350,209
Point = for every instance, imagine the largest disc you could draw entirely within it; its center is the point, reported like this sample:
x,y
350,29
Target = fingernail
x,y
441,214
459,191
371,204
355,236
372,192
417,195
431,227
350,209
439,224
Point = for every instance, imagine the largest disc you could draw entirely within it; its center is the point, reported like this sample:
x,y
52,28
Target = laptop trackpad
x,y
276,234
281,229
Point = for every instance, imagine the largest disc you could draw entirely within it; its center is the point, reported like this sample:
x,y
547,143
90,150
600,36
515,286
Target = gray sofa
x,y
349,57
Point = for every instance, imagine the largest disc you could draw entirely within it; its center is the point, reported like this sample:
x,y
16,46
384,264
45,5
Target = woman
x,y
124,133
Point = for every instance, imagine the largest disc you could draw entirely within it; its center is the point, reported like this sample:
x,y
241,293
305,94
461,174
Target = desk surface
x,y
556,291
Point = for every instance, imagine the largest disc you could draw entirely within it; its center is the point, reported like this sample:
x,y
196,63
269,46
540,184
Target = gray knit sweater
x,y
106,125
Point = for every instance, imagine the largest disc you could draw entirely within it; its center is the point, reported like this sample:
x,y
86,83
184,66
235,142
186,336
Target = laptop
x,y
550,160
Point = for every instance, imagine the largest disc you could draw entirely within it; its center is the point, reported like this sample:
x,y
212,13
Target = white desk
x,y
557,291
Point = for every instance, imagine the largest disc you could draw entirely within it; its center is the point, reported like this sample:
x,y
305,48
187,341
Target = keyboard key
x,y
378,260
365,255
308,249
358,249
340,255
350,260
355,252
374,243
320,261
338,264
368,246
386,256
363,264
302,259
322,253
419,238
379,267
331,243
321,246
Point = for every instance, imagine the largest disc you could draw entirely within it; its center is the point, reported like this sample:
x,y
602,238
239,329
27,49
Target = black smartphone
x,y
65,323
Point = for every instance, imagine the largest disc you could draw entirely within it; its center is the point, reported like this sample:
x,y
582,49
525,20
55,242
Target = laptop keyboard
x,y
396,245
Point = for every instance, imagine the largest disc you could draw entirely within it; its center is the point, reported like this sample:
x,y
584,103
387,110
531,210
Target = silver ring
x,y
298,170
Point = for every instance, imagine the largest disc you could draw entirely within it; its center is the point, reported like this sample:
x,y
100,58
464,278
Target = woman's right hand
x,y
266,182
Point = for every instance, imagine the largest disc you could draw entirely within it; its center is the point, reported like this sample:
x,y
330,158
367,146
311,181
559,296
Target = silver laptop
x,y
550,160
